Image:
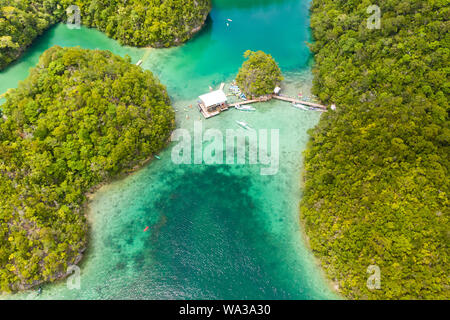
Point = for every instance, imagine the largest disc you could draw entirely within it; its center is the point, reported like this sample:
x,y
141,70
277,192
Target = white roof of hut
x,y
213,98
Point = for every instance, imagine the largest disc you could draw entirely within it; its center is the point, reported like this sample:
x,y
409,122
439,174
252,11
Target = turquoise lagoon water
x,y
216,231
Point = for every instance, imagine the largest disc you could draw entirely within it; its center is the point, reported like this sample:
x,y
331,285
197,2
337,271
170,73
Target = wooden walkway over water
x,y
287,99
208,114
240,103
307,103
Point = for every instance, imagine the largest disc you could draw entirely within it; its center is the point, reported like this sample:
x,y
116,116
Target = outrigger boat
x,y
300,106
316,109
245,108
243,124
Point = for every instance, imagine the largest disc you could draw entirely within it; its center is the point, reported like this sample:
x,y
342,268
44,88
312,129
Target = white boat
x,y
245,108
316,109
139,63
243,124
300,106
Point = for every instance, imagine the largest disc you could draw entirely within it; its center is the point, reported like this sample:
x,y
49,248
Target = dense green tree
x,y
140,23
79,119
376,169
259,74
20,22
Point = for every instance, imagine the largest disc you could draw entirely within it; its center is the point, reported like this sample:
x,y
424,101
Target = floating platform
x,y
211,113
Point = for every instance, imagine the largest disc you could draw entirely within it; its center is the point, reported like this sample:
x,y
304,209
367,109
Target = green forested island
x,y
375,170
138,22
79,119
143,23
259,74
376,175
21,21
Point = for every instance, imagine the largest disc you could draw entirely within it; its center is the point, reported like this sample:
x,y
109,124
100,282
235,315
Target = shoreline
x,y
90,195
316,260
330,283
175,44
93,191
85,210
138,166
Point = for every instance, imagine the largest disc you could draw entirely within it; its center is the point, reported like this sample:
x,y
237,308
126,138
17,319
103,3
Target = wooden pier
x,y
311,104
240,103
287,99
208,113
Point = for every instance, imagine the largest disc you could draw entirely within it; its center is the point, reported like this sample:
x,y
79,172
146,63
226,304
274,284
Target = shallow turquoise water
x,y
221,231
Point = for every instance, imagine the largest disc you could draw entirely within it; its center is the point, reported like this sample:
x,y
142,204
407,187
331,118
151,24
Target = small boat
x,y
316,109
230,20
300,106
245,108
146,229
243,124
235,89
139,63
157,157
